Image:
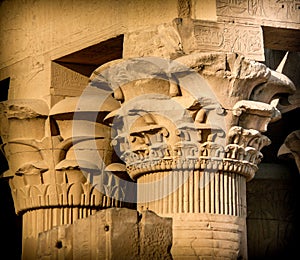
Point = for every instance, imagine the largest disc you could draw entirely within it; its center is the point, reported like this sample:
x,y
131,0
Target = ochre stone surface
x,y
109,234
170,138
178,132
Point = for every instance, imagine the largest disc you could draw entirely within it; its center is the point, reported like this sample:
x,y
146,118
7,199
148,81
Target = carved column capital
x,y
190,134
233,98
54,172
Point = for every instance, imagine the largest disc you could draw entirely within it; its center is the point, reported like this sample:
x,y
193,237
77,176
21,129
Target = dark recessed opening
x,y
4,86
277,132
106,228
281,39
10,223
58,244
87,60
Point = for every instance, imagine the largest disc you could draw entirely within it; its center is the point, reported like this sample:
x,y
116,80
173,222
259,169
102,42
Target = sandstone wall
x,y
35,32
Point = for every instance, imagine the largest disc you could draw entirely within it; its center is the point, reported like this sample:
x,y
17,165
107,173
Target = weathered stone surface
x,y
288,66
283,13
195,234
53,169
109,234
197,35
161,41
240,79
190,148
273,212
204,10
55,29
169,137
291,147
65,83
54,172
223,25
155,236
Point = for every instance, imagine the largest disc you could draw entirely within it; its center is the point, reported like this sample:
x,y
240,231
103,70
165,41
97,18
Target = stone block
x,y
270,13
200,35
109,234
162,41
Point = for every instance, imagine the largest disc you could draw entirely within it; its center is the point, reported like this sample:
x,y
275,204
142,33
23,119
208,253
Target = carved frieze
x,y
279,12
228,37
198,35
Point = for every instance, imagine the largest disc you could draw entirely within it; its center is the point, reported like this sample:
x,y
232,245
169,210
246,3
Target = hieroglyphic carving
x,y
227,37
238,7
200,35
282,11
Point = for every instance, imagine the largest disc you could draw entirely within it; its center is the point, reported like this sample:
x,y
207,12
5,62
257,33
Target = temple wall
x,y
34,33
273,212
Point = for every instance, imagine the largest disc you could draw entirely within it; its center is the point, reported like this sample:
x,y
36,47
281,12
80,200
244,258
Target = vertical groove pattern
x,y
39,220
193,192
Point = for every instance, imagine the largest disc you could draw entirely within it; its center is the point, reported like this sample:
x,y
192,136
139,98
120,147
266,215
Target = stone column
x,y
188,132
192,139
54,172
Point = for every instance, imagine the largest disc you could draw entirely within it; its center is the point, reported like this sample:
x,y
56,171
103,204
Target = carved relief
x,y
162,41
240,6
152,147
284,11
229,38
35,178
224,37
